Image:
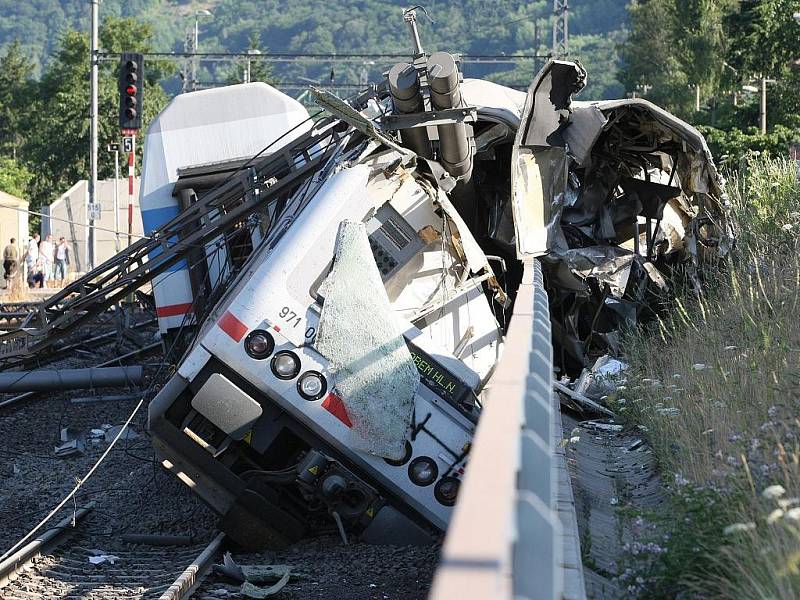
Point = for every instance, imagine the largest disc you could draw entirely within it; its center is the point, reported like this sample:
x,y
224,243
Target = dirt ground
x,y
133,494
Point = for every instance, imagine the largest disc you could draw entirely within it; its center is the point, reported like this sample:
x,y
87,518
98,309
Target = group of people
x,y
46,262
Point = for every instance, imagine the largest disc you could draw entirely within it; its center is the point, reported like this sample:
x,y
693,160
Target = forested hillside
x,y
347,26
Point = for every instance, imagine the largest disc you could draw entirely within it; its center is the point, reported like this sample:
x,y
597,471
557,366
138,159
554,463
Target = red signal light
x,y
131,90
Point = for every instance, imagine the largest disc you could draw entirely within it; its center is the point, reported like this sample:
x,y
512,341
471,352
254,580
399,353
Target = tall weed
x,y
716,386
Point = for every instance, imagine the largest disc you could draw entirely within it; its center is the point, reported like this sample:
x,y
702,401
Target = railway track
x,y
57,566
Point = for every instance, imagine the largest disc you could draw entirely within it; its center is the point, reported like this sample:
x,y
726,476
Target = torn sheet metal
x,y
617,197
339,108
359,333
584,128
609,264
249,590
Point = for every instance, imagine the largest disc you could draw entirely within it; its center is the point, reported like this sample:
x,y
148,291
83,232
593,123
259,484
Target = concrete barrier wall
x,y
514,518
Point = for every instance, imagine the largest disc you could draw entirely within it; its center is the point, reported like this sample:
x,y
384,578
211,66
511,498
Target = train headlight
x,y
285,365
446,490
259,344
312,385
423,471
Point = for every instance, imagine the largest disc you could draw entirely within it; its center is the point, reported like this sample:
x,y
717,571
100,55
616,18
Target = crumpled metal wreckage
x,y
383,287
616,197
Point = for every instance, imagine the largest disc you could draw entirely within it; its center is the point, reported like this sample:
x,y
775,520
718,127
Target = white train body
x,y
272,462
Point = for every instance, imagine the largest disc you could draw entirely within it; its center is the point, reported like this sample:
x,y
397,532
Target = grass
x,y
716,387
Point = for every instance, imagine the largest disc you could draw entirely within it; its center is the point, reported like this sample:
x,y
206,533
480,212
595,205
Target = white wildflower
x,y
785,503
677,376
574,439
786,227
773,492
700,367
793,514
738,528
774,516
669,411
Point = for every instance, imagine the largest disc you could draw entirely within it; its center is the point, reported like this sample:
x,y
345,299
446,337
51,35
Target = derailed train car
x,y
336,381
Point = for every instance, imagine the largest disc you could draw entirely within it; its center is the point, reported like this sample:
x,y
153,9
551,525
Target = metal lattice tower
x,y
560,28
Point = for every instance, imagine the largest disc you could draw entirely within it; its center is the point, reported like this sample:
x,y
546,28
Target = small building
x,y
69,217
13,221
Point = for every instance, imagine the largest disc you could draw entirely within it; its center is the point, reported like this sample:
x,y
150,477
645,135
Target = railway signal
x,y
131,84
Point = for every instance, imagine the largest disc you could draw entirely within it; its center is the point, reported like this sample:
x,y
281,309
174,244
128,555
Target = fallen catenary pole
x,y
65,379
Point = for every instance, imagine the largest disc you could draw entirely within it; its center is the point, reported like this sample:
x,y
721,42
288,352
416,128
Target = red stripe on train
x,y
232,326
173,310
334,405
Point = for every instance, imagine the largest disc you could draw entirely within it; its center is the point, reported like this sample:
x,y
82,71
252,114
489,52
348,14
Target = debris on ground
x,y
581,400
99,559
229,568
250,575
601,425
71,443
128,434
602,379
251,591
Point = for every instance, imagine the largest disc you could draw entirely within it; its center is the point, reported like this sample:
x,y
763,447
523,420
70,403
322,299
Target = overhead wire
x,y
38,214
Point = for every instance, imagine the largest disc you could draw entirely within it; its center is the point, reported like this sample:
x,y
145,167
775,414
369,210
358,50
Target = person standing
x,y
36,274
62,261
10,262
32,254
47,252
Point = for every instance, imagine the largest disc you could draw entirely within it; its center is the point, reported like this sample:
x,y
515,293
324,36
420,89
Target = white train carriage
x,y
255,421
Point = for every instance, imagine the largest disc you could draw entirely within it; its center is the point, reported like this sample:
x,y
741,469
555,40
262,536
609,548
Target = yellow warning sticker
x,y
370,512
314,470
248,437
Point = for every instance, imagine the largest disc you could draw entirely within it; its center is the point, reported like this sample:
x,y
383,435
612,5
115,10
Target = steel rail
x,y
191,578
18,561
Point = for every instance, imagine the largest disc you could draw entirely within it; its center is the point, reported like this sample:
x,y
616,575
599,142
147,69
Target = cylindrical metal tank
x,y
454,147
407,98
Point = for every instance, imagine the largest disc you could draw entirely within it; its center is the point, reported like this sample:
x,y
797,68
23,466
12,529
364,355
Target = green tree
x,y
16,90
57,148
702,41
765,38
14,177
765,41
260,70
651,63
